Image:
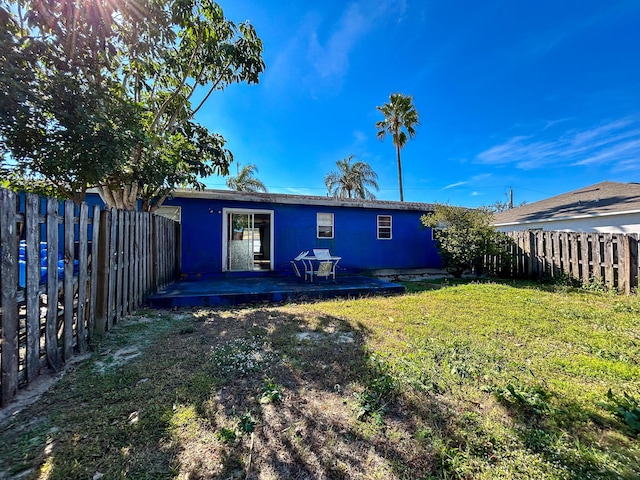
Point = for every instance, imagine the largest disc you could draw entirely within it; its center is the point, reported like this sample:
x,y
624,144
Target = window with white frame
x,y
384,227
170,212
325,225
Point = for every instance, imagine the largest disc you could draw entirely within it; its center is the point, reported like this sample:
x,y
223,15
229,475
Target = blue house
x,y
228,231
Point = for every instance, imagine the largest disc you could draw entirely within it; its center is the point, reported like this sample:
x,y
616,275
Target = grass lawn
x,y
468,380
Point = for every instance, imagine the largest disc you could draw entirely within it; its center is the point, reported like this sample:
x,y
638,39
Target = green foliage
x,y
527,398
227,435
99,94
247,423
626,407
464,237
379,390
351,180
271,392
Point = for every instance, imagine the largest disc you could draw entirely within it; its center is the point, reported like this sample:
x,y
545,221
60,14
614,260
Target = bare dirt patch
x,y
117,358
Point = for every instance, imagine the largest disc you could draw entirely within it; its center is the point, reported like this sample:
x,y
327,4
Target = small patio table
x,y
314,265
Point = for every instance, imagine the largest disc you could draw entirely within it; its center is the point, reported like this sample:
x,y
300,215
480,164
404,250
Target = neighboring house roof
x,y
601,199
232,195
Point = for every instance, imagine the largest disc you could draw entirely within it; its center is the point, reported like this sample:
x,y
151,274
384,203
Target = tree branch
x,y
178,89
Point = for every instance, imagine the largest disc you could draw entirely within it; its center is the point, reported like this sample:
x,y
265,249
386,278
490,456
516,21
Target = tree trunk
x,y
399,173
123,198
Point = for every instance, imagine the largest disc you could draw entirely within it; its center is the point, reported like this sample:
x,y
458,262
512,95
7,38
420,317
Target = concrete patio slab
x,y
236,291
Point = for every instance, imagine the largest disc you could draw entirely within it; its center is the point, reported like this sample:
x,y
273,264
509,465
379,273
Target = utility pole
x,y
510,197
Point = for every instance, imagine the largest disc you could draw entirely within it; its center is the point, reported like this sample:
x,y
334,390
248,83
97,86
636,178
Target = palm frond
x,y
351,180
245,180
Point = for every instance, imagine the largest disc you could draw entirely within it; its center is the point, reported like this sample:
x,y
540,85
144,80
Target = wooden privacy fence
x,y
69,276
610,258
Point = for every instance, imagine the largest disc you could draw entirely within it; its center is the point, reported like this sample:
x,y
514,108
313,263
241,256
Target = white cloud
x,y
470,182
454,185
329,57
610,143
319,61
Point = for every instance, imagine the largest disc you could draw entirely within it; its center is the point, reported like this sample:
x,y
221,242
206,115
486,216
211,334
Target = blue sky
x,y
539,96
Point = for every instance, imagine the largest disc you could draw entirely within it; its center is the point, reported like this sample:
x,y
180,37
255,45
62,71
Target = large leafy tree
x,y
464,237
246,180
113,98
351,180
400,120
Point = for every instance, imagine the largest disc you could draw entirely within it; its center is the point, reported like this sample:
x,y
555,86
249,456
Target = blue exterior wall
x,y
355,236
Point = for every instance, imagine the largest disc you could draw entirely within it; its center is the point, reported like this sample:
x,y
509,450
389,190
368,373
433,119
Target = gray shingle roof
x,y
605,198
304,200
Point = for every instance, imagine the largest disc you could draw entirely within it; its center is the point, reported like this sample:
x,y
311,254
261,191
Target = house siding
x,y
355,236
619,223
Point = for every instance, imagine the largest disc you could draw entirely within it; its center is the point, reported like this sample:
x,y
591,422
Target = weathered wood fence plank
x,y
83,256
68,259
32,284
9,270
99,268
95,235
120,291
609,258
51,327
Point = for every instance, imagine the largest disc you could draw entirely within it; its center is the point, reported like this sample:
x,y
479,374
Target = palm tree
x,y
245,181
351,180
400,119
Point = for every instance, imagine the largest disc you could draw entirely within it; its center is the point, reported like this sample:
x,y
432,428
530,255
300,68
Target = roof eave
x,y
287,199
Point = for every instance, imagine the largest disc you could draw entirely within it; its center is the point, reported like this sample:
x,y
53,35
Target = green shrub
x,y
465,237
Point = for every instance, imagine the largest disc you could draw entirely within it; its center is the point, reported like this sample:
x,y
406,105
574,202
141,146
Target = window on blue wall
x,y
384,227
325,225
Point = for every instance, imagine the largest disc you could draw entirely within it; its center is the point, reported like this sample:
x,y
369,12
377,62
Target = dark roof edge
x,y
290,199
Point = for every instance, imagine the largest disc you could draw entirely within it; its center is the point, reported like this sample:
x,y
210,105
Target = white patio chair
x,y
322,253
327,265
300,258
325,270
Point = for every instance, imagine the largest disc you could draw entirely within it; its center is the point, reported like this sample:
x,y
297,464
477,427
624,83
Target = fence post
x,y
9,307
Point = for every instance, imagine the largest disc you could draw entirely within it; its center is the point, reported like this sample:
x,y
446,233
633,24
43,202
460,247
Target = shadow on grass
x,y
192,405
